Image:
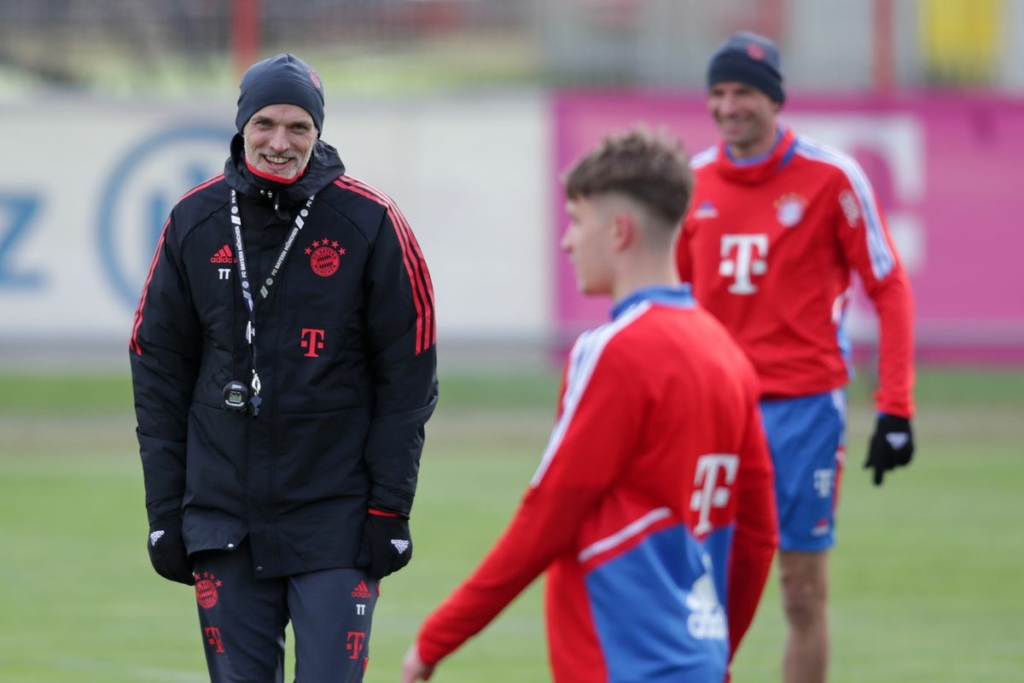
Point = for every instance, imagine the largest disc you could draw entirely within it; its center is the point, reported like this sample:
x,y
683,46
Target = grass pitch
x,y
926,581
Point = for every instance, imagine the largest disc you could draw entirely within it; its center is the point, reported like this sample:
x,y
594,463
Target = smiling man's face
x,y
279,140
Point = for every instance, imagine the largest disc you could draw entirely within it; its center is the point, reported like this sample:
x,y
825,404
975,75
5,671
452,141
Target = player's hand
x,y
167,551
413,668
386,545
892,445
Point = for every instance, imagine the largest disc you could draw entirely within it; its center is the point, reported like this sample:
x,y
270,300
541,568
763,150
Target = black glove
x,y
892,445
167,551
386,545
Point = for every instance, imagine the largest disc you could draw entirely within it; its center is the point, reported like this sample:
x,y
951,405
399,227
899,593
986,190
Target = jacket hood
x,y
325,166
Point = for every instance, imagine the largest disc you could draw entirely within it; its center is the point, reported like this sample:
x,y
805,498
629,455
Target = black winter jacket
x,y
345,351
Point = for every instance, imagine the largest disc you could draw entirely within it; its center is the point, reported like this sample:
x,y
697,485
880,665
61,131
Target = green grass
x,y
926,584
50,394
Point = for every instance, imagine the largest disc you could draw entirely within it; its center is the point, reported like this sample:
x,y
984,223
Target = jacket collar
x,y
680,296
324,167
761,169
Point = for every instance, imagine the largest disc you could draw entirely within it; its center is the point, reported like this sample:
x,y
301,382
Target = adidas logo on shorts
x,y
400,545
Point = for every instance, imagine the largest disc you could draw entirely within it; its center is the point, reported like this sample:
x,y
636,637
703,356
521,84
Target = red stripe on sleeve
x,y
419,275
133,345
383,513
412,257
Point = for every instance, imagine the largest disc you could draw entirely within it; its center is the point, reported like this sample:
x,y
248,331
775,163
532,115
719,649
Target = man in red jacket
x,y
652,509
777,225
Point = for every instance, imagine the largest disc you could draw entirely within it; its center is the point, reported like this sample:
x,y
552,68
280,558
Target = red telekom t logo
x,y
715,475
356,643
212,634
743,256
312,341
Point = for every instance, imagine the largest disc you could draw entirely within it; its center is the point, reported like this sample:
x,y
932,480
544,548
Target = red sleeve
x,y
756,533
601,413
870,251
894,305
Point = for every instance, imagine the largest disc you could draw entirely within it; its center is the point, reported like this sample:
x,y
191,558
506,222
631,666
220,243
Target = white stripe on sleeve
x,y
882,258
586,352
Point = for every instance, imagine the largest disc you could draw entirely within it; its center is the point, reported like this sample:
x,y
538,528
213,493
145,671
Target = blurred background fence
x,y
464,111
137,47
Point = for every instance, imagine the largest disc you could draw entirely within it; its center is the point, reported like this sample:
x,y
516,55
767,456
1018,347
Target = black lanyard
x,y
243,276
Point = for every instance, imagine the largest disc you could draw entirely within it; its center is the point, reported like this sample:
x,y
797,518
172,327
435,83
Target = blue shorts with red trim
x,y
807,439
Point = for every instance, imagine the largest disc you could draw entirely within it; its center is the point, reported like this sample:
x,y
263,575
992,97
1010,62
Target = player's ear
x,y
624,230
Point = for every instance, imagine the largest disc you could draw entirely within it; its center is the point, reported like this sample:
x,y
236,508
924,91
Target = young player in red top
x,y
652,510
777,225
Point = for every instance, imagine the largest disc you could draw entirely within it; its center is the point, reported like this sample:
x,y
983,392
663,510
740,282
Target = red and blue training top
x,y
652,510
769,245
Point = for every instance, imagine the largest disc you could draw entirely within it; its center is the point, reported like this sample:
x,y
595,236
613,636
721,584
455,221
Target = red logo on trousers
x,y
312,341
212,634
206,589
356,643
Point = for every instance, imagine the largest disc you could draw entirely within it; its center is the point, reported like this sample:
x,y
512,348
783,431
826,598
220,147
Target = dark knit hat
x,y
282,79
751,59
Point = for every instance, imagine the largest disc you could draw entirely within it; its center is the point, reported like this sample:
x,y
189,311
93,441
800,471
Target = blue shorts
x,y
807,439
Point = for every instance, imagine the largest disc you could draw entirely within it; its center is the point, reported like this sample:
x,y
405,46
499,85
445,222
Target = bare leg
x,y
804,579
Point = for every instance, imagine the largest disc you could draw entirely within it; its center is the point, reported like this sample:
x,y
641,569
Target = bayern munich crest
x,y
789,209
206,589
316,79
325,257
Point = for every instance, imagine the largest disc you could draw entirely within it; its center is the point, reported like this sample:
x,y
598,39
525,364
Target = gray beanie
x,y
750,59
282,79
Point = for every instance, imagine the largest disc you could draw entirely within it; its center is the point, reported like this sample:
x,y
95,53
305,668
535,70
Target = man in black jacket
x,y
283,362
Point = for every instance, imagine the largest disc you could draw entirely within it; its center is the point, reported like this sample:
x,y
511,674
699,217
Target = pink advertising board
x,y
947,169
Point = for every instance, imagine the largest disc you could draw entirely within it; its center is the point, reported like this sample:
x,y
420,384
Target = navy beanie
x,y
283,79
750,59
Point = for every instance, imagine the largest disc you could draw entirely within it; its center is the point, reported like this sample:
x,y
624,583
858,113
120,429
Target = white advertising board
x,y
89,185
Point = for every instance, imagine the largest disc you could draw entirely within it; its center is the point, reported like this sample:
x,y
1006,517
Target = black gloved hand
x,y
892,445
386,545
167,551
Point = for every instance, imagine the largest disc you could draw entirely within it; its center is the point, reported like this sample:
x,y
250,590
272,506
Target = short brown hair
x,y
650,168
